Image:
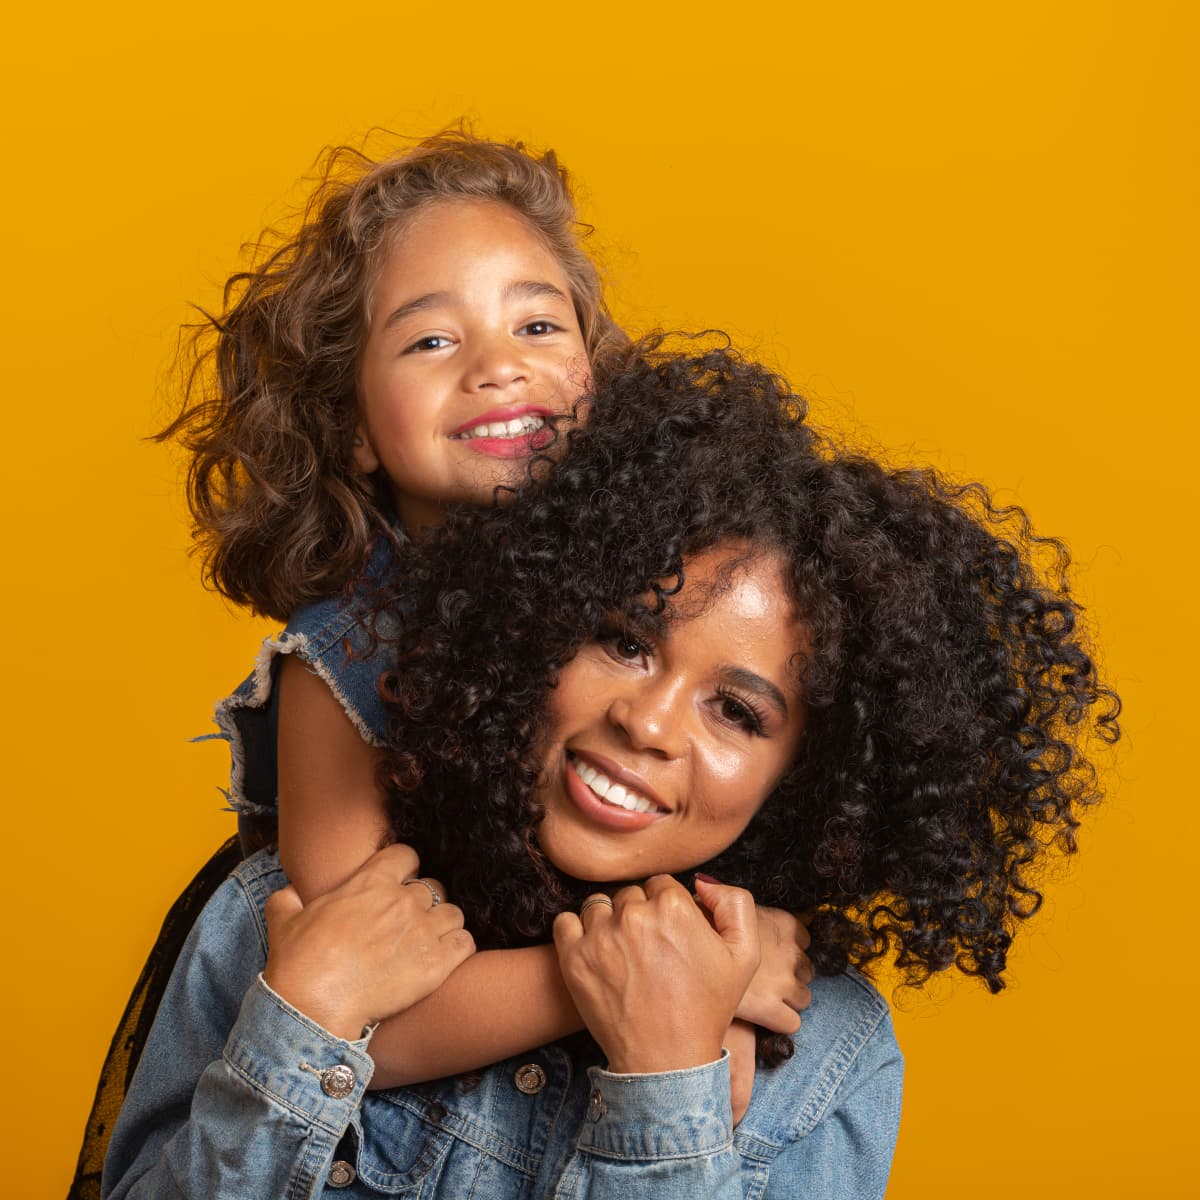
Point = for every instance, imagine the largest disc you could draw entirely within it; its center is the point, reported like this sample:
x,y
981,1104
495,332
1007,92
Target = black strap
x,y
134,1027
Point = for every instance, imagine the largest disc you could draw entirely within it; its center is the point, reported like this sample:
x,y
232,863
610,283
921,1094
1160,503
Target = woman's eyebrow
x,y
751,682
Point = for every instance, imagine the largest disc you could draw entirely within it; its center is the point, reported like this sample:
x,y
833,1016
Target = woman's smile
x,y
663,747
609,796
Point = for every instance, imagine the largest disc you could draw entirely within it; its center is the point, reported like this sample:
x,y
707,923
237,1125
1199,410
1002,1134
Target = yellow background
x,y
968,229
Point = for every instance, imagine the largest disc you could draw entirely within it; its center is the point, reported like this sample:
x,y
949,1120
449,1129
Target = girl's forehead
x,y
447,246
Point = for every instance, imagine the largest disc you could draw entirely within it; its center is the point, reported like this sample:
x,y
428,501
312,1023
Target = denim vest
x,y
237,1094
340,639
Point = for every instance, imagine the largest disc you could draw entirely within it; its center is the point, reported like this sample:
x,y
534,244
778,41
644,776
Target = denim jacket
x,y
239,1095
341,640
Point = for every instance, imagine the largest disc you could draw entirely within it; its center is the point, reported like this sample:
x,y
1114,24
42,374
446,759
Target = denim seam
x,y
683,1156
311,1119
481,1137
847,1050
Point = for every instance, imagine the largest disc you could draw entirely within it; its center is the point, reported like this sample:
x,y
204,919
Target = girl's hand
x,y
655,983
779,989
370,948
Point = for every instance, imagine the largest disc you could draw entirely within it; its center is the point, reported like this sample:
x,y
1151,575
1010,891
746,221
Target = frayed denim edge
x,y
255,693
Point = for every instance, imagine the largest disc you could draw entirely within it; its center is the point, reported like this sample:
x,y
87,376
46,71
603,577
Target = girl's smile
x,y
661,751
473,345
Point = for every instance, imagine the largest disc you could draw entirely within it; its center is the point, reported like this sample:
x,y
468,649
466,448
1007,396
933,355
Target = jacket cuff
x,y
625,1117
278,1051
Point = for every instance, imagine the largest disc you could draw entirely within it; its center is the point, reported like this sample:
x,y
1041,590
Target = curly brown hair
x,y
280,514
953,699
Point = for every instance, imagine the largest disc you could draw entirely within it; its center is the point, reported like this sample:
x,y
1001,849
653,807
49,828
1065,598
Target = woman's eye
x,y
435,341
540,328
624,647
737,712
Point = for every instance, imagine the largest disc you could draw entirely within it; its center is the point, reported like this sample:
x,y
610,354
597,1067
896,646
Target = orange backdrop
x,y
966,229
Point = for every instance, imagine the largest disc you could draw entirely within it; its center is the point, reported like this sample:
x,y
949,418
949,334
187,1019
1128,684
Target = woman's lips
x,y
600,811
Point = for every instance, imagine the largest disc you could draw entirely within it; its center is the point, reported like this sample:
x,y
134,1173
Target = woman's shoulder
x,y
846,1055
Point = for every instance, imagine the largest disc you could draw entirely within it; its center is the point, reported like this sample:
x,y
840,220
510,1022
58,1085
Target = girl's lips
x,y
593,809
514,447
510,445
497,416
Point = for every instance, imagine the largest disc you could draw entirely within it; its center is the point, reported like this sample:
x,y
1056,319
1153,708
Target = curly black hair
x,y
952,699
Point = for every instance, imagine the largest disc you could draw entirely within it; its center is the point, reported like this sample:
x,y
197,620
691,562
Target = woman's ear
x,y
365,458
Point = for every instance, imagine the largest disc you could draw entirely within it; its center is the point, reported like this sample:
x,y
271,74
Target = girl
x,y
706,643
410,347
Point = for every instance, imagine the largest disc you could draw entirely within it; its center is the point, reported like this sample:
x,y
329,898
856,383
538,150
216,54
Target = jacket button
x,y
530,1079
341,1174
337,1082
596,1106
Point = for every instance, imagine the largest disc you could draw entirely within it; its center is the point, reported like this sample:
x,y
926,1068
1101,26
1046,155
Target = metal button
x,y
596,1106
341,1174
337,1082
530,1079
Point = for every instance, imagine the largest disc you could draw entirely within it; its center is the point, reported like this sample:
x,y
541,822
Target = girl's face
x,y
473,342
661,751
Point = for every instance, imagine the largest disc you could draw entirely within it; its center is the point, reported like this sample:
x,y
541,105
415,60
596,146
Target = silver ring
x,y
429,886
599,898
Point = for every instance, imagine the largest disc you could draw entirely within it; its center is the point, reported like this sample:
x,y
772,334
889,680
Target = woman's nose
x,y
651,716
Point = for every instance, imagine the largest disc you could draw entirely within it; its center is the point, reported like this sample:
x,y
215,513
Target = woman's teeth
x,y
609,792
517,427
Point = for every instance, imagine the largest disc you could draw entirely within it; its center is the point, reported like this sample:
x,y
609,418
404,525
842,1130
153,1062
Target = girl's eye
x,y
735,711
435,341
540,328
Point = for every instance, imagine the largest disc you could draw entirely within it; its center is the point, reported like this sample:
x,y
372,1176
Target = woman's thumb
x,y
734,916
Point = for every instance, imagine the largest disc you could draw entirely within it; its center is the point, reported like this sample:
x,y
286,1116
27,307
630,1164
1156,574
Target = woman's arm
x,y
239,1091
836,1117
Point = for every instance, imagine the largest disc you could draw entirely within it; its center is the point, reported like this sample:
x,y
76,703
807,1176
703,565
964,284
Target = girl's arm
x,y
332,811
332,818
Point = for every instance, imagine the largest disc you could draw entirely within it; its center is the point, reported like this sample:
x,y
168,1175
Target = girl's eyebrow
x,y
429,300
532,289
759,686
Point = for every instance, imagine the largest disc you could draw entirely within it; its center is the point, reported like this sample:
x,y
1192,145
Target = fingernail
x,y
706,878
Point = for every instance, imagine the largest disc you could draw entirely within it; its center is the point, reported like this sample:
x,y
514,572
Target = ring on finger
x,y
598,898
425,883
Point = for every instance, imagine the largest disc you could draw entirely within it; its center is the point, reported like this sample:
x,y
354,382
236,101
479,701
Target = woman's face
x,y
661,750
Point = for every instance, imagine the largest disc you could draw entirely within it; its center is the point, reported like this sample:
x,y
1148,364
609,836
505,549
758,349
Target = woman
x,y
703,641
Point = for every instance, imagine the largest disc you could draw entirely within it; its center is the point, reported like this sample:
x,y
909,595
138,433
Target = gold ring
x,y
599,898
429,886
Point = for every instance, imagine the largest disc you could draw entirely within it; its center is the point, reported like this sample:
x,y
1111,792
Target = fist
x,y
367,950
653,980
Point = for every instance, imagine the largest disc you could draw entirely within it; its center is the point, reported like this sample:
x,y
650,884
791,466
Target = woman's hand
x,y
656,984
367,950
779,990
742,1043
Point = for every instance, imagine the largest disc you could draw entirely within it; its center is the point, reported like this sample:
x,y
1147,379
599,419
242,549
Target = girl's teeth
x,y
609,792
517,427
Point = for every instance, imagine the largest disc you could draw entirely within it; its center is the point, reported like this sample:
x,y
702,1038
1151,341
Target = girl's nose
x,y
495,363
650,714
